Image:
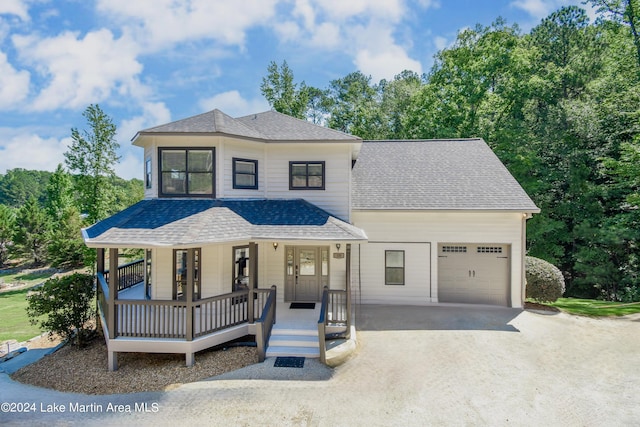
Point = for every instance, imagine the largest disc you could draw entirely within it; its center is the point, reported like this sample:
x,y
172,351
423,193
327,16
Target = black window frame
x,y
186,193
235,160
403,268
307,163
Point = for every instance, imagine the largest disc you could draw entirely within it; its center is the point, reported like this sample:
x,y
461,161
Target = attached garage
x,y
454,197
474,273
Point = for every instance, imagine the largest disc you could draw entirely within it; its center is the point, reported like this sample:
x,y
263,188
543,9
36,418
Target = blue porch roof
x,y
197,222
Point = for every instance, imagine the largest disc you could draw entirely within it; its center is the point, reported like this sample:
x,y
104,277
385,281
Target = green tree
x,y
64,306
283,94
354,106
625,11
17,185
92,157
59,194
31,232
7,221
66,247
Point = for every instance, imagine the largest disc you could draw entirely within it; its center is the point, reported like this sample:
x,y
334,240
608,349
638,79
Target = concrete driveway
x,y
436,365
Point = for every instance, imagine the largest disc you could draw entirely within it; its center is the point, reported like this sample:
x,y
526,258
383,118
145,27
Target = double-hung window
x,y
394,267
187,172
245,174
306,175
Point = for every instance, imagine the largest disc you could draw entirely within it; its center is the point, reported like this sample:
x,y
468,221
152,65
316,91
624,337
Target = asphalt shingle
x,y
269,126
191,222
461,174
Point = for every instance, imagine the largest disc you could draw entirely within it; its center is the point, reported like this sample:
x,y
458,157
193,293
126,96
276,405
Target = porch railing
x,y
180,319
128,274
265,323
102,290
334,311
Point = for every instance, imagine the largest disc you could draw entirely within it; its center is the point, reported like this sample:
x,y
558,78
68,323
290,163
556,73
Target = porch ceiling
x,y
196,222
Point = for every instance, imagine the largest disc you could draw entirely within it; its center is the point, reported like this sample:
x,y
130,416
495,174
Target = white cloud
x,y
80,71
15,7
153,114
540,9
385,64
326,35
130,165
341,10
14,85
440,42
233,104
28,150
363,29
158,24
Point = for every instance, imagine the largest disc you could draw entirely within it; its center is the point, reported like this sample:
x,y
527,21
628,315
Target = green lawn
x,y
590,307
14,323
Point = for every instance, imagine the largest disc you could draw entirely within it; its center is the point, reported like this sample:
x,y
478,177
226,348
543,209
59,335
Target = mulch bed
x,y
540,307
76,370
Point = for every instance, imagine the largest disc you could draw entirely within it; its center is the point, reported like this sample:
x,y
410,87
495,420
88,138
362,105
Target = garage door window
x,y
394,268
489,249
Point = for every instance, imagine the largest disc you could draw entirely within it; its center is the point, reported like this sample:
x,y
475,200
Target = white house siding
x,y
162,274
406,229
150,153
250,150
335,198
417,280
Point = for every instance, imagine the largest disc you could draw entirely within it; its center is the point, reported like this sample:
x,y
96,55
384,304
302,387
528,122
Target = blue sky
x,y
148,62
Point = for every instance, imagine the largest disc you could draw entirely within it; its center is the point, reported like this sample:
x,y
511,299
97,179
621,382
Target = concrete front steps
x,y
297,342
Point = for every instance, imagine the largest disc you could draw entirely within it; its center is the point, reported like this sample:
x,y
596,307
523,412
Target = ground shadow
x,y
435,318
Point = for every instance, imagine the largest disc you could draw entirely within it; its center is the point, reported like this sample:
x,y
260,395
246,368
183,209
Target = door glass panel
x,y
289,261
241,262
307,262
325,262
181,273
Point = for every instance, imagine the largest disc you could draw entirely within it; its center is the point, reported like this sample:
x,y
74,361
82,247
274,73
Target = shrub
x,y
66,305
545,282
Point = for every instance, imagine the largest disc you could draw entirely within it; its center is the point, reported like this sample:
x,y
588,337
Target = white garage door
x,y
474,273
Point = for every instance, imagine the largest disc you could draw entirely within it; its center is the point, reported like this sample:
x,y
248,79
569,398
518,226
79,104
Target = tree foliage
x,y
283,94
92,157
31,232
7,222
63,306
18,185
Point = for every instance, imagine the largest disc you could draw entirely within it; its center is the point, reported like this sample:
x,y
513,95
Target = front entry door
x,y
307,272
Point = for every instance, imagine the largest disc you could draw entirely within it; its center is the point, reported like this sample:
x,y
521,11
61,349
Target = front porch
x,y
134,323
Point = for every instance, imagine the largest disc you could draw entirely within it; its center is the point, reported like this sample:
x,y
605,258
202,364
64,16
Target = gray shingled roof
x,y
462,174
267,126
196,222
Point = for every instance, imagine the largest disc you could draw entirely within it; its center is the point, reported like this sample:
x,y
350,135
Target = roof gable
x,y
461,174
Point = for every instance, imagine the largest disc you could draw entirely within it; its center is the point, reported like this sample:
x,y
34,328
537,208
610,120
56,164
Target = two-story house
x,y
242,215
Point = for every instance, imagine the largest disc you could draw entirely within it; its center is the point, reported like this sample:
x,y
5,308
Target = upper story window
x,y
245,174
187,172
306,175
147,172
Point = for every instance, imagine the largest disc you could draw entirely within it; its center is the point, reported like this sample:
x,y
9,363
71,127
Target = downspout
x,y
523,252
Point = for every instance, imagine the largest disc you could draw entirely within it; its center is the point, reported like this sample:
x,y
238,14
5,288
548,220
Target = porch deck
x,y
133,323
